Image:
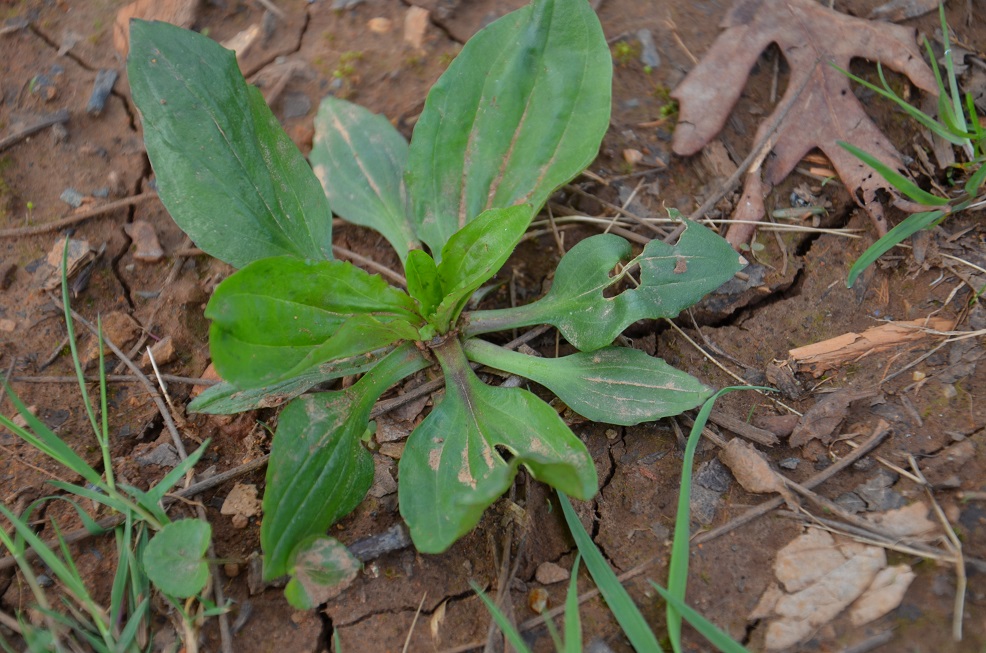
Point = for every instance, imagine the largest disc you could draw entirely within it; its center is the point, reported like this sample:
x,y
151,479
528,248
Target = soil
x,y
795,295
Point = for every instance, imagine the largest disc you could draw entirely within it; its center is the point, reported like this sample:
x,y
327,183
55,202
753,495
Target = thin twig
x,y
60,116
383,270
57,225
879,433
115,378
165,413
410,631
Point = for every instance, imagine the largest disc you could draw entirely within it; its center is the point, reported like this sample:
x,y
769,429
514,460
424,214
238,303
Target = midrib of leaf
x,y
229,145
344,133
561,138
210,112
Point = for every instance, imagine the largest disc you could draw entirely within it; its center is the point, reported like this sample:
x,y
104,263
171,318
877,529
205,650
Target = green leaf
x,y
280,317
895,179
910,226
706,628
622,606
614,385
475,253
672,277
174,558
322,567
520,111
360,158
226,171
319,470
225,398
423,283
451,469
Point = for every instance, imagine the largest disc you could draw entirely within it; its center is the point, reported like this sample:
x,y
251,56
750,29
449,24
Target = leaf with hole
x,y
672,277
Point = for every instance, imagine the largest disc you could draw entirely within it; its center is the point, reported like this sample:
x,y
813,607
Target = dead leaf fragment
x,y
750,468
910,522
242,501
822,575
883,595
810,36
821,420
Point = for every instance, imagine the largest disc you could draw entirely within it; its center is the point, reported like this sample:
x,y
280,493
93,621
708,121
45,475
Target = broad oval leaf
x,y
226,171
360,158
226,399
174,558
520,111
451,471
672,277
280,317
319,470
321,568
614,385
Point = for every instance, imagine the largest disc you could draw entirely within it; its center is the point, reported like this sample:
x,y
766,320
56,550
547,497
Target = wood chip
x,y
820,357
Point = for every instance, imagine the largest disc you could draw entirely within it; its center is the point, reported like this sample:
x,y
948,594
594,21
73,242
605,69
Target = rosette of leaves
x,y
520,111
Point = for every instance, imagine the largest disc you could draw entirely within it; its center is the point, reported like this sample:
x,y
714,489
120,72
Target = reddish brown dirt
x,y
801,299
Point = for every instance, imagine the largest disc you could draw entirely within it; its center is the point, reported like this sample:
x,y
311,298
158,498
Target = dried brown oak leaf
x,y
811,37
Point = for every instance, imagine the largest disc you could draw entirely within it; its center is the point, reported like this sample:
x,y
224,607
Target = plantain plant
x,y
520,111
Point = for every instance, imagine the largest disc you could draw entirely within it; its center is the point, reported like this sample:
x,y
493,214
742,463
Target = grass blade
x,y
706,628
678,567
897,180
913,224
616,596
508,629
573,621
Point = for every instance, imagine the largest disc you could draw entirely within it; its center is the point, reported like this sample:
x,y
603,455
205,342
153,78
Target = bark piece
x,y
828,354
810,36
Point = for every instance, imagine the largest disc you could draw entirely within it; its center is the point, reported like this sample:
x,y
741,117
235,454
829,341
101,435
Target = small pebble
x,y
71,197
231,569
789,463
648,53
8,326
145,240
240,521
7,271
296,105
612,434
44,580
549,573
537,600
380,25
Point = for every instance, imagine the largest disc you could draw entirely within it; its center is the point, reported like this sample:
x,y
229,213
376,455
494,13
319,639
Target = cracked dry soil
x,y
795,296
